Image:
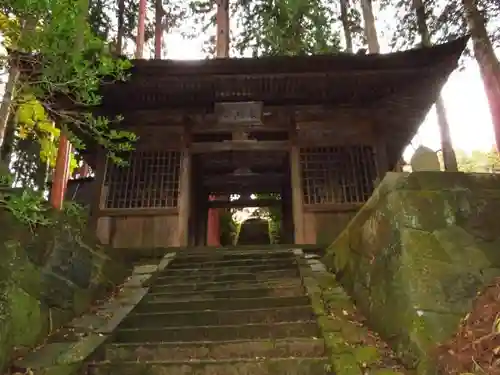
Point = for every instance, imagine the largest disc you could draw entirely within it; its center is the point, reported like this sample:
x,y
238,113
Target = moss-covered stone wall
x,y
48,275
416,254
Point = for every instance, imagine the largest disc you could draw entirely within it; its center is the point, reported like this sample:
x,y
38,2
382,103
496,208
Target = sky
x,y
464,97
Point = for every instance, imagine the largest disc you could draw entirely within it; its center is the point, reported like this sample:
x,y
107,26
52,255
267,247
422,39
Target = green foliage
x,y
28,207
477,161
287,28
76,213
6,177
67,60
270,27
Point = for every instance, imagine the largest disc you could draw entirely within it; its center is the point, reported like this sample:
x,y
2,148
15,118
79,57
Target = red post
x,y
213,226
61,171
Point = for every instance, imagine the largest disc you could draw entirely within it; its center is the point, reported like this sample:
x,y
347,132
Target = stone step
x,y
285,366
224,350
202,271
218,304
186,287
226,294
219,333
230,263
221,317
210,256
260,276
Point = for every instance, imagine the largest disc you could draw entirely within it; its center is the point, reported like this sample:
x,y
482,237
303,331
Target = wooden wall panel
x,y
104,230
323,227
136,231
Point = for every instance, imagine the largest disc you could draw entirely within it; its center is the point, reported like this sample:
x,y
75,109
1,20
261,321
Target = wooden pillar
x,y
296,183
97,189
60,177
185,192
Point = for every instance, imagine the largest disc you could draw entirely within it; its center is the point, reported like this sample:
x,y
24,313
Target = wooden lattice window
x,y
343,174
150,180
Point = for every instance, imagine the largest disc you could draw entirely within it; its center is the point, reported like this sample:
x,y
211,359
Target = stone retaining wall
x,y
47,277
417,253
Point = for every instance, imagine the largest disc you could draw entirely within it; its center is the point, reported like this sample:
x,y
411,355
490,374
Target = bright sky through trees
x,y
466,103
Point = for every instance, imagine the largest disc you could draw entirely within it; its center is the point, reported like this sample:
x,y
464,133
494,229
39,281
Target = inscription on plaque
x,y
240,112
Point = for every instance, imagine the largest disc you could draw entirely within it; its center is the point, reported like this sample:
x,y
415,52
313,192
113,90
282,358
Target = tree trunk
x,y
7,147
489,65
121,27
8,98
159,27
222,22
449,157
370,29
344,17
141,30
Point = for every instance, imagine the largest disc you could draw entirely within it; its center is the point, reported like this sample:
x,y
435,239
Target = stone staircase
x,y
220,313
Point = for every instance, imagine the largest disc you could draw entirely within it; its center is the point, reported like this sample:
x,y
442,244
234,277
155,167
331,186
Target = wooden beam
x,y
207,147
274,118
246,127
246,190
241,203
139,211
253,179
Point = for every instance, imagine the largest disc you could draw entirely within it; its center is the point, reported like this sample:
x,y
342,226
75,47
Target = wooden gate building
x,y
318,130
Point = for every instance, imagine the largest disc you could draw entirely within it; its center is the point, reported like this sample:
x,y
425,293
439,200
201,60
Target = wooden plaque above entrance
x,y
238,112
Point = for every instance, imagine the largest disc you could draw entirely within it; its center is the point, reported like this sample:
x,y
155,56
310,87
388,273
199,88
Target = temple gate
x,y
319,131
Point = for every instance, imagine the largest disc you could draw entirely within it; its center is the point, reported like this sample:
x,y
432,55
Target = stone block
x,y
417,253
46,278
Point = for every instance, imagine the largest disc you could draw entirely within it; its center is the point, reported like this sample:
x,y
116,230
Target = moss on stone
x,y
366,355
346,364
52,267
415,256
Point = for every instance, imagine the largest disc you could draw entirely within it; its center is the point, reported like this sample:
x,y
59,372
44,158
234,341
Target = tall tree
x,y
222,26
489,66
141,30
449,158
8,96
121,27
346,24
159,27
452,19
370,28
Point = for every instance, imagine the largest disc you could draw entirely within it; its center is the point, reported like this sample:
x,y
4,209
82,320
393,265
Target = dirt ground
x,y
476,346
